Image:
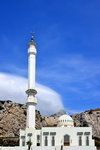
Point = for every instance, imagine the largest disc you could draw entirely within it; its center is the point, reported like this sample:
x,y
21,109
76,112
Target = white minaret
x,y
31,99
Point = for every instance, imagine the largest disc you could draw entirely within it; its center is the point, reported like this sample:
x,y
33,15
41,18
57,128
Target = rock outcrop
x,y
90,118
13,118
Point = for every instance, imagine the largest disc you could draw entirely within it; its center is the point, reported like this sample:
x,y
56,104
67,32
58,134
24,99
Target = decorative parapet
x,y
32,43
31,91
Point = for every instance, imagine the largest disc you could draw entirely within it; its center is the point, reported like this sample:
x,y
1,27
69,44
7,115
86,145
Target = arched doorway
x,y
66,140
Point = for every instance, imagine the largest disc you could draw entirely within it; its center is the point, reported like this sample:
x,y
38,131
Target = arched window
x,y
66,140
80,141
53,141
38,137
23,141
87,141
46,141
38,140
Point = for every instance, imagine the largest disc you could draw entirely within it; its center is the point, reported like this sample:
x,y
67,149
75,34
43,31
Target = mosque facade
x,y
63,137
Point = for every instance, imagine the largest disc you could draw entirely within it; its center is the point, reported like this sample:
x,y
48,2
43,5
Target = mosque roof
x,y
65,120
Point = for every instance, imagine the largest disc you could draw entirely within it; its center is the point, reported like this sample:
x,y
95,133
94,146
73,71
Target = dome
x,y
65,121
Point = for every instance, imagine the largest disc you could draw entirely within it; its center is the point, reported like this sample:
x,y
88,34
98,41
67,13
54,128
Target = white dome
x,y
65,121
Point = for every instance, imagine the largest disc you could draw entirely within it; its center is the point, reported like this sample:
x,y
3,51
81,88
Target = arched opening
x,y
66,140
38,140
87,141
46,141
53,141
80,141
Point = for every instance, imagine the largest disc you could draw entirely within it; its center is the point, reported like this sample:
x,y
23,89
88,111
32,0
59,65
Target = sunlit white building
x,y
63,137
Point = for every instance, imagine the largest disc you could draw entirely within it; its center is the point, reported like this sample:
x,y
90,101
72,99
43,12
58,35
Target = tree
x,y
29,143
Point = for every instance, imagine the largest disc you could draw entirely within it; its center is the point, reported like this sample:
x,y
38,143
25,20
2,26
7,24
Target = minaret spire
x,y
32,40
32,36
31,99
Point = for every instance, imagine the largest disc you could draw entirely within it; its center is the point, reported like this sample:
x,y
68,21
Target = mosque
x,y
63,137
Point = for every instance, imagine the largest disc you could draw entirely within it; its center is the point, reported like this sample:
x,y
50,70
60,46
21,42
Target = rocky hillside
x,y
13,118
90,118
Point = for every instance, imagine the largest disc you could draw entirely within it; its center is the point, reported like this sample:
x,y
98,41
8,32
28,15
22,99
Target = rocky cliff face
x,y
90,118
13,118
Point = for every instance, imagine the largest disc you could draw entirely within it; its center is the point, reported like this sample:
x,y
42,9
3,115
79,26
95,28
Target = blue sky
x,y
68,52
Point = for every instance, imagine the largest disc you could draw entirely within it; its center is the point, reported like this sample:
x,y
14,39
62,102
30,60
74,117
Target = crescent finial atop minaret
x,y
32,36
32,40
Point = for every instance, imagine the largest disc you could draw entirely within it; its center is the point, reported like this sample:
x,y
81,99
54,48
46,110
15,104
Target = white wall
x,y
60,132
72,131
51,148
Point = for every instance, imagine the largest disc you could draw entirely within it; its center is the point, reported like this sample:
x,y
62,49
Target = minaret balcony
x,y
32,43
31,91
31,100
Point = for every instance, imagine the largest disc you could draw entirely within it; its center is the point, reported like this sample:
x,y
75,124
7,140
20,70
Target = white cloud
x,y
49,100
13,88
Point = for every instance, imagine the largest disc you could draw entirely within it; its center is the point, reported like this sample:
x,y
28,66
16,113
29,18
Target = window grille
x,y
87,141
46,141
23,141
80,141
38,137
53,141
